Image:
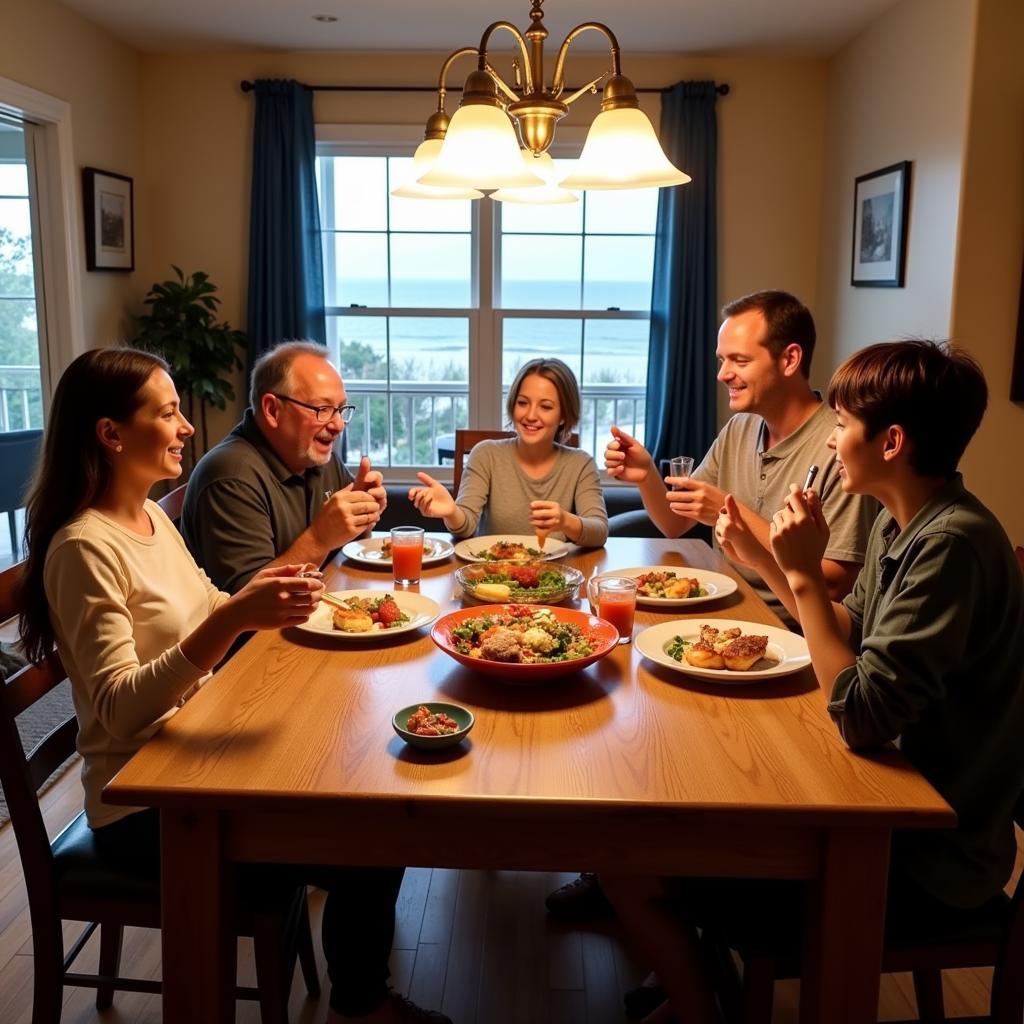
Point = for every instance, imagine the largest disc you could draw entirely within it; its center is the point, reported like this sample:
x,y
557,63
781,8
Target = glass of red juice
x,y
616,603
407,553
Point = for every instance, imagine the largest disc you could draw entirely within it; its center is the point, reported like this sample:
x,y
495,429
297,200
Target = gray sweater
x,y
495,493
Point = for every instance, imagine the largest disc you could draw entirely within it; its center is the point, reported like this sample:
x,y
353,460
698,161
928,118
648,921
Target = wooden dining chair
x,y
173,502
466,439
68,880
993,938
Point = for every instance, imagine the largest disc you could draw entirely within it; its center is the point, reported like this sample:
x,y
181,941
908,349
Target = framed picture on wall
x,y
109,220
881,205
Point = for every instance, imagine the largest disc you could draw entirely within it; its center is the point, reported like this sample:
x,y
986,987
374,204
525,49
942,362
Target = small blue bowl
x,y
462,716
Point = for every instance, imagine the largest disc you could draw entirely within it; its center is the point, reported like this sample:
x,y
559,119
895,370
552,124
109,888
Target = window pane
x,y
529,338
617,272
359,348
615,352
425,215
561,218
13,179
367,434
17,279
431,270
356,269
540,272
430,350
20,390
622,211
360,193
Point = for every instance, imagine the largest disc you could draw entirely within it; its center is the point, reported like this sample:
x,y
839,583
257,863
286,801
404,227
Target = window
x,y
20,388
432,306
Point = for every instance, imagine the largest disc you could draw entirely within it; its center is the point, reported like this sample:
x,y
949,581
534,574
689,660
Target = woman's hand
x,y
626,458
548,516
433,499
276,596
799,535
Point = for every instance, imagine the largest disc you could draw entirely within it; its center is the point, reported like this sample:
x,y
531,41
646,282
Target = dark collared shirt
x,y
938,629
244,506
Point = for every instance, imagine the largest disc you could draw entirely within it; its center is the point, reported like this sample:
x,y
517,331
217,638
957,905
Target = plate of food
x,y
524,644
519,582
361,615
510,548
673,586
377,550
726,650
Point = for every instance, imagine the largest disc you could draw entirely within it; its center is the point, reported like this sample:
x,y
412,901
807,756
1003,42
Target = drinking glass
x,y
681,465
616,603
407,553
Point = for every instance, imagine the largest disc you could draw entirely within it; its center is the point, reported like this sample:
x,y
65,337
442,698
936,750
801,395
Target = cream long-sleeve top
x,y
495,493
121,604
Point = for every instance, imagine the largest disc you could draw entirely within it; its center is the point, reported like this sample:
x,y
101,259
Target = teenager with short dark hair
x,y
927,651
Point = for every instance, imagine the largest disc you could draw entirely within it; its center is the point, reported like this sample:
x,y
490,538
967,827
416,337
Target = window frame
x,y
486,320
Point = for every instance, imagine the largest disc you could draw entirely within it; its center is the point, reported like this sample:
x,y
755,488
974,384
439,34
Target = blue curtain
x,y
286,283
680,417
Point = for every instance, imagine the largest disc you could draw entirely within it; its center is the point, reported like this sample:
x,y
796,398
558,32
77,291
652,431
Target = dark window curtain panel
x,y
680,415
286,283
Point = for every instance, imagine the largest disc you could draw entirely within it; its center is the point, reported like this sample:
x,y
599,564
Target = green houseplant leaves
x,y
182,326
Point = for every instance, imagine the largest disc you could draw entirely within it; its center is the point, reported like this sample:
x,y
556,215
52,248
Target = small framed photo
x,y
109,220
881,205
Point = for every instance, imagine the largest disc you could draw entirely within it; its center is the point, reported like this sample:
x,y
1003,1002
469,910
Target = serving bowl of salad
x,y
524,644
519,583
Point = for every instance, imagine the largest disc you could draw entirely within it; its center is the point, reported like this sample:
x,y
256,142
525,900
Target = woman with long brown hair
x,y
139,627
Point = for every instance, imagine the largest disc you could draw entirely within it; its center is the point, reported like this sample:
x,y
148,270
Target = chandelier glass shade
x,y
480,145
550,193
423,160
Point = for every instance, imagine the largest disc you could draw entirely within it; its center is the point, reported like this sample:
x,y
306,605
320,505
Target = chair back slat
x,y
52,751
173,502
32,682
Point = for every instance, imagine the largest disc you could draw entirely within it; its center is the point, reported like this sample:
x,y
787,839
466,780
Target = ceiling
x,y
776,27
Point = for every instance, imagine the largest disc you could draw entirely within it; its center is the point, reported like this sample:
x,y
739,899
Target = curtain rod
x,y
247,86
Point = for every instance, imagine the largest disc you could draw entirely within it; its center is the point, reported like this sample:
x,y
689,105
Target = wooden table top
x,y
299,719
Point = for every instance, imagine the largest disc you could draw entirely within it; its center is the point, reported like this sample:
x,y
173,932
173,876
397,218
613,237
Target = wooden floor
x,y
475,944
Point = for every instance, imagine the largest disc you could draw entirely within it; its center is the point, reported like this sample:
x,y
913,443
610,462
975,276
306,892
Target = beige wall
x,y
990,253
897,92
197,141
45,46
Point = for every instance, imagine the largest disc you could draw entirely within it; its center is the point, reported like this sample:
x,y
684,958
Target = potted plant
x,y
182,326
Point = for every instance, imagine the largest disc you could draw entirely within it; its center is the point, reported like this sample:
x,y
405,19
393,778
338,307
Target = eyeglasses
x,y
324,413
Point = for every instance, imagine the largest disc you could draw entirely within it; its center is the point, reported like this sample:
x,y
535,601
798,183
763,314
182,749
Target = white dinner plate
x,y
467,549
422,612
368,550
788,649
715,583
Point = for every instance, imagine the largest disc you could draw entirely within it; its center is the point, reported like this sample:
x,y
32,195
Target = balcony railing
x,y
414,423
21,405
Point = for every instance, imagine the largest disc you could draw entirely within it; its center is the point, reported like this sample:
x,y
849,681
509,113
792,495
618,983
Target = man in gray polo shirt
x,y
273,491
780,429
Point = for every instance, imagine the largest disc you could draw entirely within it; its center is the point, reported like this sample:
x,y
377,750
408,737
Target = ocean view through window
x,y
433,306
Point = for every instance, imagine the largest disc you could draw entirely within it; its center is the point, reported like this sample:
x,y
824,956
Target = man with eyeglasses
x,y
274,492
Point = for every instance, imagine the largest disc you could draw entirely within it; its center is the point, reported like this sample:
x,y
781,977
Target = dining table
x,y
287,755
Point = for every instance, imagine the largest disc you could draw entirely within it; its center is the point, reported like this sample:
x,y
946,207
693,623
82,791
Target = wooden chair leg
x,y
928,993
274,967
758,990
48,971
111,939
307,956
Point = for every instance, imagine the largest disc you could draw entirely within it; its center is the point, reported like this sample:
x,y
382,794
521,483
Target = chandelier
x,y
497,141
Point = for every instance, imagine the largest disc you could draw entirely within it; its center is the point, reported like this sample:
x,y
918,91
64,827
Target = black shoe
x,y
579,900
644,999
408,1012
